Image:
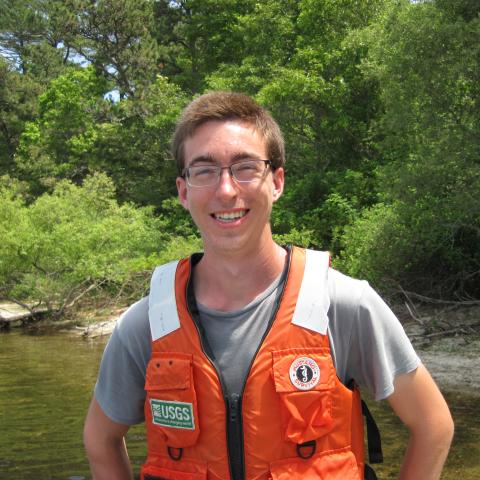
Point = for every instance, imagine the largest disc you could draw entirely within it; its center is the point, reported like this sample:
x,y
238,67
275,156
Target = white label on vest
x,y
304,373
313,299
172,414
162,304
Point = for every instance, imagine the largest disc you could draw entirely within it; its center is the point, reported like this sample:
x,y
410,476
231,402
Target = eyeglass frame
x,y
267,163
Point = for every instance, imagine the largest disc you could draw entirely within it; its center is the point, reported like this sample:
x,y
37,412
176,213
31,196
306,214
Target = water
x,y
46,383
464,458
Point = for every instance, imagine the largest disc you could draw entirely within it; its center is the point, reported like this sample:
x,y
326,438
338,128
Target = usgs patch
x,y
172,414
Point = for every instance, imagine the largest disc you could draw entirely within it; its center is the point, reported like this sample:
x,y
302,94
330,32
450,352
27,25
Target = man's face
x,y
232,217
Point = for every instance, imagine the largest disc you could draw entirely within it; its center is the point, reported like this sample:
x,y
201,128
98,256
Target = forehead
x,y
223,140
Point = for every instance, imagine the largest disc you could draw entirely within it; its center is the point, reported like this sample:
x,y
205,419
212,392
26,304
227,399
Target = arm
x,y
422,408
105,446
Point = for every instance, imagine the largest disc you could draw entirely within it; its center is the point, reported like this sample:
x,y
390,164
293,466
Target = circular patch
x,y
304,373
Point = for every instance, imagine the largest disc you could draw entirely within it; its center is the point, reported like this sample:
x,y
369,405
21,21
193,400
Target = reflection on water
x,y
45,386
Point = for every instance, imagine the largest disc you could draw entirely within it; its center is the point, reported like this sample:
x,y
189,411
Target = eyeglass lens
x,y
208,175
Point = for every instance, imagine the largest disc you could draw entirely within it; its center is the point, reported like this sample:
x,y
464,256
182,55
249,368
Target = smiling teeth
x,y
229,216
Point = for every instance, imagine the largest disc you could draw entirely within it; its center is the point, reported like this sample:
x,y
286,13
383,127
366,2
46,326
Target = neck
x,y
229,282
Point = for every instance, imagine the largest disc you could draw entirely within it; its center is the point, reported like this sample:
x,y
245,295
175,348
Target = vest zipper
x,y
231,408
228,407
235,437
267,331
234,441
233,405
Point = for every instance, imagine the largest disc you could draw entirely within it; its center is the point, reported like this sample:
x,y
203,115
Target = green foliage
x,y
36,36
134,148
177,220
301,238
116,38
18,104
377,245
343,194
378,101
58,144
197,36
79,132
35,41
466,9
12,212
76,237
427,64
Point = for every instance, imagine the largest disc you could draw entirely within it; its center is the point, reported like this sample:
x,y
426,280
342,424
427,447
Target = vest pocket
x,y
333,465
171,410
165,469
304,380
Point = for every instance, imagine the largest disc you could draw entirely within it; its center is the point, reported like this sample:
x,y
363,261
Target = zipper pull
x,y
233,404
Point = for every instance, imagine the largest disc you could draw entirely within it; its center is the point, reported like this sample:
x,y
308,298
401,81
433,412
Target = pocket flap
x,y
169,371
303,369
165,469
326,466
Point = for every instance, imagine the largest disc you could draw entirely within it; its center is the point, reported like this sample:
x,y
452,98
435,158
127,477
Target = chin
x,y
227,245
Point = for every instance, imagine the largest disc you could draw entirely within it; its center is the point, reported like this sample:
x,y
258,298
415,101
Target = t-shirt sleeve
x,y
380,348
120,385
368,342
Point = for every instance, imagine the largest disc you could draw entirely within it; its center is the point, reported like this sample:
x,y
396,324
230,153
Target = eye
x,y
203,170
250,165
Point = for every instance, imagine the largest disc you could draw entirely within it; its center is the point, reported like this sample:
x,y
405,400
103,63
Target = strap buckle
x,y
306,450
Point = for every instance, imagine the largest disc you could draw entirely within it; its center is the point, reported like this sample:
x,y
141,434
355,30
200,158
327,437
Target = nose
x,y
226,188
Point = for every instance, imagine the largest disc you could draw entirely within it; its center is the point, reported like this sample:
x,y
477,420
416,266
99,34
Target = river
x,y
46,382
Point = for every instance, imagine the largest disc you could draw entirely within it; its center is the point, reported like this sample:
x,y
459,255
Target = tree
x,y
18,104
59,143
36,35
325,104
78,132
427,63
77,240
115,37
266,40
35,44
468,10
196,36
134,146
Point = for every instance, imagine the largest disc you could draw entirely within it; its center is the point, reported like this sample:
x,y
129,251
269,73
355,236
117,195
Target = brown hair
x,y
228,106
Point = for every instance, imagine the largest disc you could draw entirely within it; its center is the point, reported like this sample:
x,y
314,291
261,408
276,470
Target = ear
x,y
182,191
278,183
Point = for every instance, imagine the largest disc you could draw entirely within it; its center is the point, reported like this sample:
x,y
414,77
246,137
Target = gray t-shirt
x,y
235,336
367,341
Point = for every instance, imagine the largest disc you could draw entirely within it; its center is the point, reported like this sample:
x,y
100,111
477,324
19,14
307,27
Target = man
x,y
243,360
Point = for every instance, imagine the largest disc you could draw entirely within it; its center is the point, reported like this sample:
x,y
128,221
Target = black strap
x,y
193,308
375,454
369,473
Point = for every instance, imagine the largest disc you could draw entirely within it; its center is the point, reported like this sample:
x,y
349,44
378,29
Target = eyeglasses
x,y
245,171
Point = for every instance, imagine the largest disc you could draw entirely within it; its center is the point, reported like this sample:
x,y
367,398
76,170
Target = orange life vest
x,y
294,420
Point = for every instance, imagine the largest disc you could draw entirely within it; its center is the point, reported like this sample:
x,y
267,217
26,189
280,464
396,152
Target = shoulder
x,y
367,340
354,294
357,311
133,328
120,386
346,292
346,295
129,348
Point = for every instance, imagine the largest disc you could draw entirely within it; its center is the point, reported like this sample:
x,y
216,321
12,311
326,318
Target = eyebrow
x,y
207,158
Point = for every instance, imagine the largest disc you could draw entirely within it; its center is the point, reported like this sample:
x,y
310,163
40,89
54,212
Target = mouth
x,y
228,217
